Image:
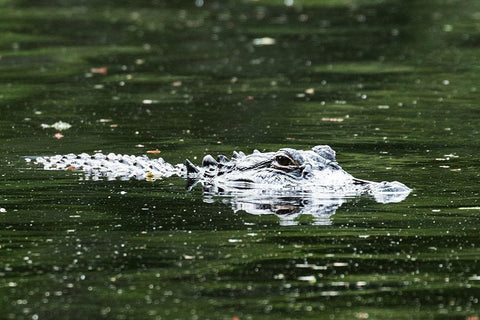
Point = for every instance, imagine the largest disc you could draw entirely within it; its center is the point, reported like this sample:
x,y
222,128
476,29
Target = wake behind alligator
x,y
288,182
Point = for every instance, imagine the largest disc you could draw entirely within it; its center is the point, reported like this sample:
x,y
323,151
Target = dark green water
x,y
401,79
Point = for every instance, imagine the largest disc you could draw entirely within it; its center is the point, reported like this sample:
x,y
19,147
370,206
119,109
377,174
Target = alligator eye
x,y
284,161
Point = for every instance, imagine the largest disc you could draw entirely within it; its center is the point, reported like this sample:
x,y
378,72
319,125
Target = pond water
x,y
392,86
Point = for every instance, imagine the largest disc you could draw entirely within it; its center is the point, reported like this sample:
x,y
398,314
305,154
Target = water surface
x,y
392,86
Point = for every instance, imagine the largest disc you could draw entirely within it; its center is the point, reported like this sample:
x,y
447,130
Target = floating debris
x,y
329,293
265,41
156,151
58,135
362,315
310,91
310,266
451,155
59,125
99,70
177,84
340,264
310,279
333,119
149,101
3,210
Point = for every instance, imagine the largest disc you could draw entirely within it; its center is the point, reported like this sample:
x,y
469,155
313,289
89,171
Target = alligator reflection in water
x,y
288,206
288,182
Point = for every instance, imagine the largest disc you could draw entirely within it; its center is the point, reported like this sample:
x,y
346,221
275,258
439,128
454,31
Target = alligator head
x,y
285,167
303,170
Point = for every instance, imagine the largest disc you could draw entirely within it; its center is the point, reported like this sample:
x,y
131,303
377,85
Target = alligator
x,y
252,181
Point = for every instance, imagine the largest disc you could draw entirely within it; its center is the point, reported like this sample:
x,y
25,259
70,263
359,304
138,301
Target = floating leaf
x,y
100,70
